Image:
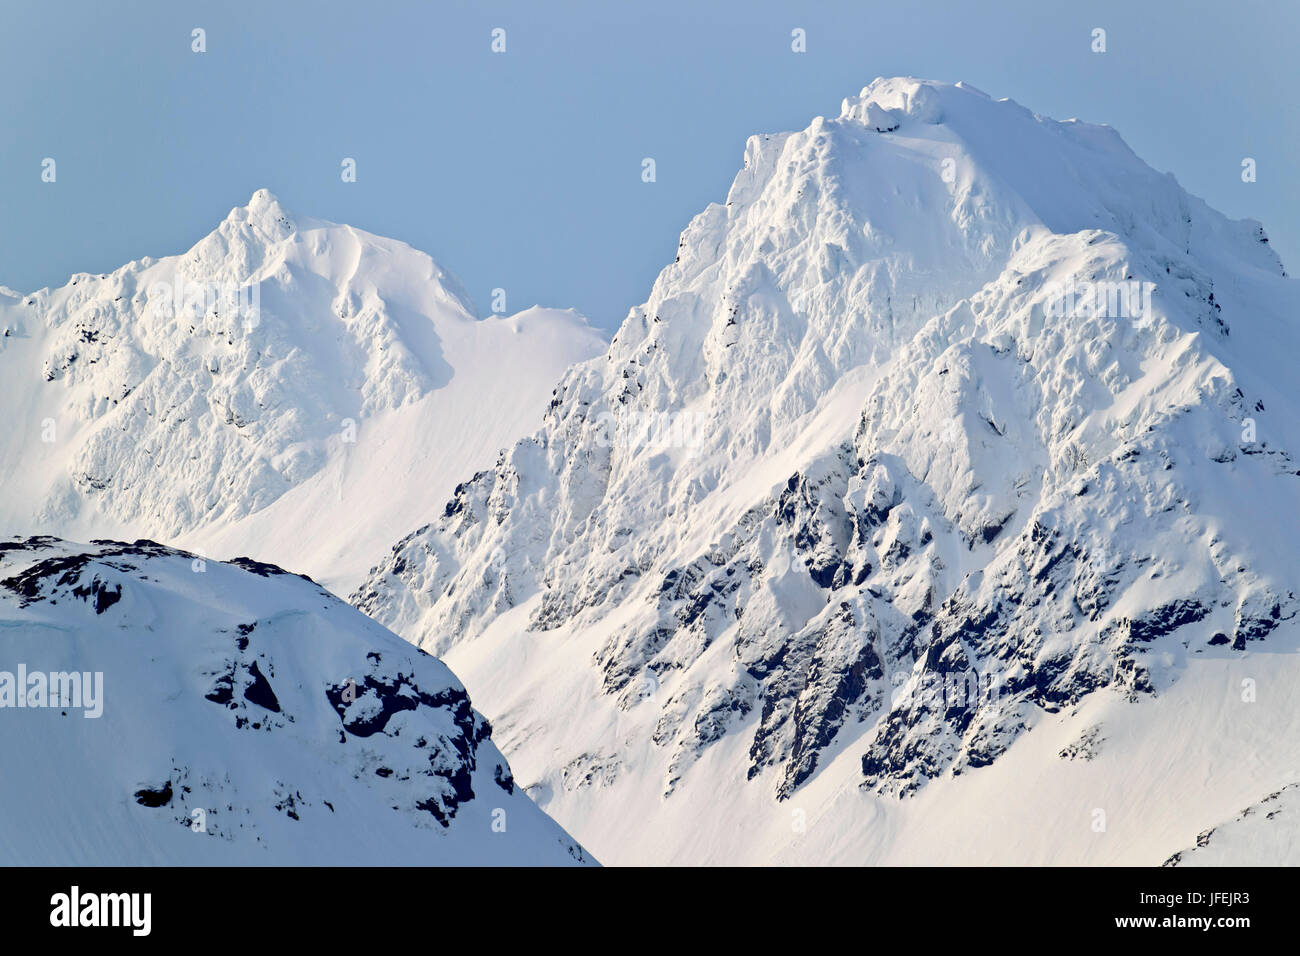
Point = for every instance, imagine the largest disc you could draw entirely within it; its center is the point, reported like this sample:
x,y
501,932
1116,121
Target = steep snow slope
x,y
243,715
1266,833
954,444
288,388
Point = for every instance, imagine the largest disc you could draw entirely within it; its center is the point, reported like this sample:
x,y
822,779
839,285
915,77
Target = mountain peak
x,y
886,101
246,368
262,216
264,203
854,445
933,171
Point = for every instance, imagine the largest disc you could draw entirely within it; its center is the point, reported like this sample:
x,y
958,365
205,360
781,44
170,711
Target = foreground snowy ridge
x,y
240,714
289,387
934,493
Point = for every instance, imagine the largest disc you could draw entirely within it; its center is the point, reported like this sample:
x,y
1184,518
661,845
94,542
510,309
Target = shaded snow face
x,y
918,464
244,716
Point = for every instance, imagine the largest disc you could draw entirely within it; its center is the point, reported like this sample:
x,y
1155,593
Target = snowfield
x,y
979,546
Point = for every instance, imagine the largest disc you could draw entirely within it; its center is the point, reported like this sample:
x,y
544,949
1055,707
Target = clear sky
x,y
522,170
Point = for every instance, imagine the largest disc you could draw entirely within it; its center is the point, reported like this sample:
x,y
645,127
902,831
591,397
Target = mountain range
x,y
936,506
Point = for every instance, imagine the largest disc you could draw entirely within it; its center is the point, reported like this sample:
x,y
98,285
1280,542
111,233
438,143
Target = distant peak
x,y
264,214
886,102
263,199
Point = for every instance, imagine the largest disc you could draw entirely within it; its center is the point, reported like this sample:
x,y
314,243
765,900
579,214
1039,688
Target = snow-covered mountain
x,y
936,507
288,388
208,713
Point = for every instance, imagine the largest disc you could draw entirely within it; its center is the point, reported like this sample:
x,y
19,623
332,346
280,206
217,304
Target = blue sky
x,y
522,170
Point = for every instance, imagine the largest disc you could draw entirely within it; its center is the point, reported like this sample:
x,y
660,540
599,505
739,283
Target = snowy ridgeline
x,y
162,709
951,423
